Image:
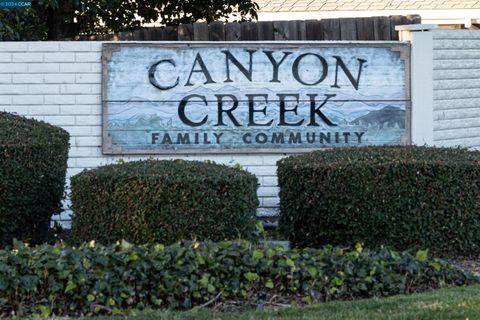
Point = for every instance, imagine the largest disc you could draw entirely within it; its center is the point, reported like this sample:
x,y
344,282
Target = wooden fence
x,y
371,28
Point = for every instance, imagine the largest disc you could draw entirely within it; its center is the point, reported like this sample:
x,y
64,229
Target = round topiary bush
x,y
33,164
163,201
400,196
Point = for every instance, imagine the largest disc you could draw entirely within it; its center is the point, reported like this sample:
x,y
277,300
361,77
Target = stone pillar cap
x,y
416,27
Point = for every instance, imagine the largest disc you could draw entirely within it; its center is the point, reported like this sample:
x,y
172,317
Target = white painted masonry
x,y
456,88
60,83
445,86
421,81
422,85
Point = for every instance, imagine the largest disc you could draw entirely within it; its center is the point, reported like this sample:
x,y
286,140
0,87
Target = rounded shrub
x,y
401,196
163,201
33,164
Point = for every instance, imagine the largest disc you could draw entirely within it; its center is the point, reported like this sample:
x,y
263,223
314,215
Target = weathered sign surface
x,y
253,97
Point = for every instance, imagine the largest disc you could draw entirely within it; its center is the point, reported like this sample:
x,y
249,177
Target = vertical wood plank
x,y
156,33
302,30
138,35
280,30
291,32
125,36
414,19
330,29
146,34
313,30
365,30
233,31
149,33
111,37
200,31
396,21
249,31
185,32
265,30
381,28
171,33
216,31
348,29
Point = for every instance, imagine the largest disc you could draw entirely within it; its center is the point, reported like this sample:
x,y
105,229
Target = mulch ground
x,y
469,264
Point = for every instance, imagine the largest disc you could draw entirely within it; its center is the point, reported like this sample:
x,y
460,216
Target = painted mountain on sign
x,y
388,116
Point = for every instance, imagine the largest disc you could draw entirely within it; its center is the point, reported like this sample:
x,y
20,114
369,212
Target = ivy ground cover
x,y
90,280
444,304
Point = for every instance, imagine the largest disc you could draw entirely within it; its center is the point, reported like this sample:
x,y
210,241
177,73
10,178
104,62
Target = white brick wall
x,y
456,88
60,83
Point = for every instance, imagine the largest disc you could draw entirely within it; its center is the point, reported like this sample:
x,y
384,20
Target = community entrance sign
x,y
253,97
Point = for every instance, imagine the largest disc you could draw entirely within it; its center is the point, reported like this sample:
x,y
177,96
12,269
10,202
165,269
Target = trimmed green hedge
x,y
91,279
33,164
164,202
400,196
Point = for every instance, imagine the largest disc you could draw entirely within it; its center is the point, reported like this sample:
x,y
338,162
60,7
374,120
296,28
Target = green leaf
x,y
70,286
133,256
362,287
312,271
270,252
251,276
259,226
90,298
44,311
210,288
337,281
359,247
258,254
435,265
200,259
269,284
125,245
290,263
204,281
422,255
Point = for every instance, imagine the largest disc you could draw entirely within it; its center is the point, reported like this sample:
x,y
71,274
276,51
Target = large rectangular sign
x,y
253,97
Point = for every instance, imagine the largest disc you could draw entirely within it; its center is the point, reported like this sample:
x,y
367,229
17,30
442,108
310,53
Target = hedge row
x,y
399,196
92,279
33,164
157,201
